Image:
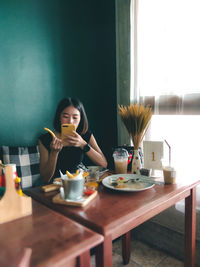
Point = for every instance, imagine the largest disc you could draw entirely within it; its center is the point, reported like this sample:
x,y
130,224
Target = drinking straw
x,y
169,152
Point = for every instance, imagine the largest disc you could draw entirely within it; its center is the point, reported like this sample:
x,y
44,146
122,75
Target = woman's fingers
x,y
75,139
56,144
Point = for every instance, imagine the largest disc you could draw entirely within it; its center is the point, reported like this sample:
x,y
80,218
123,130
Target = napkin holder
x,y
12,205
153,154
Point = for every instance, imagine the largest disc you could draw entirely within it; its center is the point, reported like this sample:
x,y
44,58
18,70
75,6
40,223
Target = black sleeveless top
x,y
69,157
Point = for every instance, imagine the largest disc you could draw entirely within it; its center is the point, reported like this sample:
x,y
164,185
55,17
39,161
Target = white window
x,y
167,44
182,132
165,72
165,64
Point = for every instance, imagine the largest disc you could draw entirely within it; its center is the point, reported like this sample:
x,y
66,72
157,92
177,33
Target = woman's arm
x,y
48,159
95,153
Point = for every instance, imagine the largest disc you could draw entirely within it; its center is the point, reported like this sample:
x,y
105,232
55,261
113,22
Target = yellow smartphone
x,y
66,129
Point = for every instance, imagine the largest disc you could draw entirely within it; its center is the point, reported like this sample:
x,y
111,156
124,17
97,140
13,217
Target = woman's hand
x,y
56,145
75,140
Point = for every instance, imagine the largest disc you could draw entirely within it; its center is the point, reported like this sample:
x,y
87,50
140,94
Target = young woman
x,y
54,156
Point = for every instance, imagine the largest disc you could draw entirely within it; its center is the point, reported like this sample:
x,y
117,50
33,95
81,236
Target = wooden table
x,y
54,240
114,214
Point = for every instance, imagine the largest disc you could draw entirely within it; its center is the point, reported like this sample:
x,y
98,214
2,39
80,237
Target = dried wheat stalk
x,y
136,119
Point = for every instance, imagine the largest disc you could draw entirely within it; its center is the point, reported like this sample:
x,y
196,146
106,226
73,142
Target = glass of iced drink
x,y
169,174
120,156
93,178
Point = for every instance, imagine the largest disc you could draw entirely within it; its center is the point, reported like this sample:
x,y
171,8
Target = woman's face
x,y
70,115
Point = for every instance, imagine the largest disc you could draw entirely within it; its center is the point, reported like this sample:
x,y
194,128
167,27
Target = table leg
x,y
84,259
190,228
104,253
126,247
24,258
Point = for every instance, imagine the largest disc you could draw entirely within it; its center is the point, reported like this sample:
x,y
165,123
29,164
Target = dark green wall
x,y
50,49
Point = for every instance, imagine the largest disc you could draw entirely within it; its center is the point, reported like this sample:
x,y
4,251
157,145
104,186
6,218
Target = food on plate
x,y
121,180
121,186
48,130
88,191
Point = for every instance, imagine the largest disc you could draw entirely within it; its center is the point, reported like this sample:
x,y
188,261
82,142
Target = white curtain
x,y
165,55
165,73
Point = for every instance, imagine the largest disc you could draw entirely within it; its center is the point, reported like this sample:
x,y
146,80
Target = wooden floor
x,y
142,255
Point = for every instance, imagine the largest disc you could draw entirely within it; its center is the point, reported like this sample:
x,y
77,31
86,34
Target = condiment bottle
x,y
3,181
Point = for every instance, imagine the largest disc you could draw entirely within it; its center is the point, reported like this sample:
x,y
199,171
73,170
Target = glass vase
x,y
136,163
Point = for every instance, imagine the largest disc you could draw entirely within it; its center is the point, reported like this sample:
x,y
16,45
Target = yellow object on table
x,y
92,184
50,187
19,188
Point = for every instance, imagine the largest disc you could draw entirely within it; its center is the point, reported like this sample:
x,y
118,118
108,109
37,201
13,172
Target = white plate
x,y
131,186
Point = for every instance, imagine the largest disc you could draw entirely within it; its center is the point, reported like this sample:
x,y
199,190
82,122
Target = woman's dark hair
x,y
64,103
